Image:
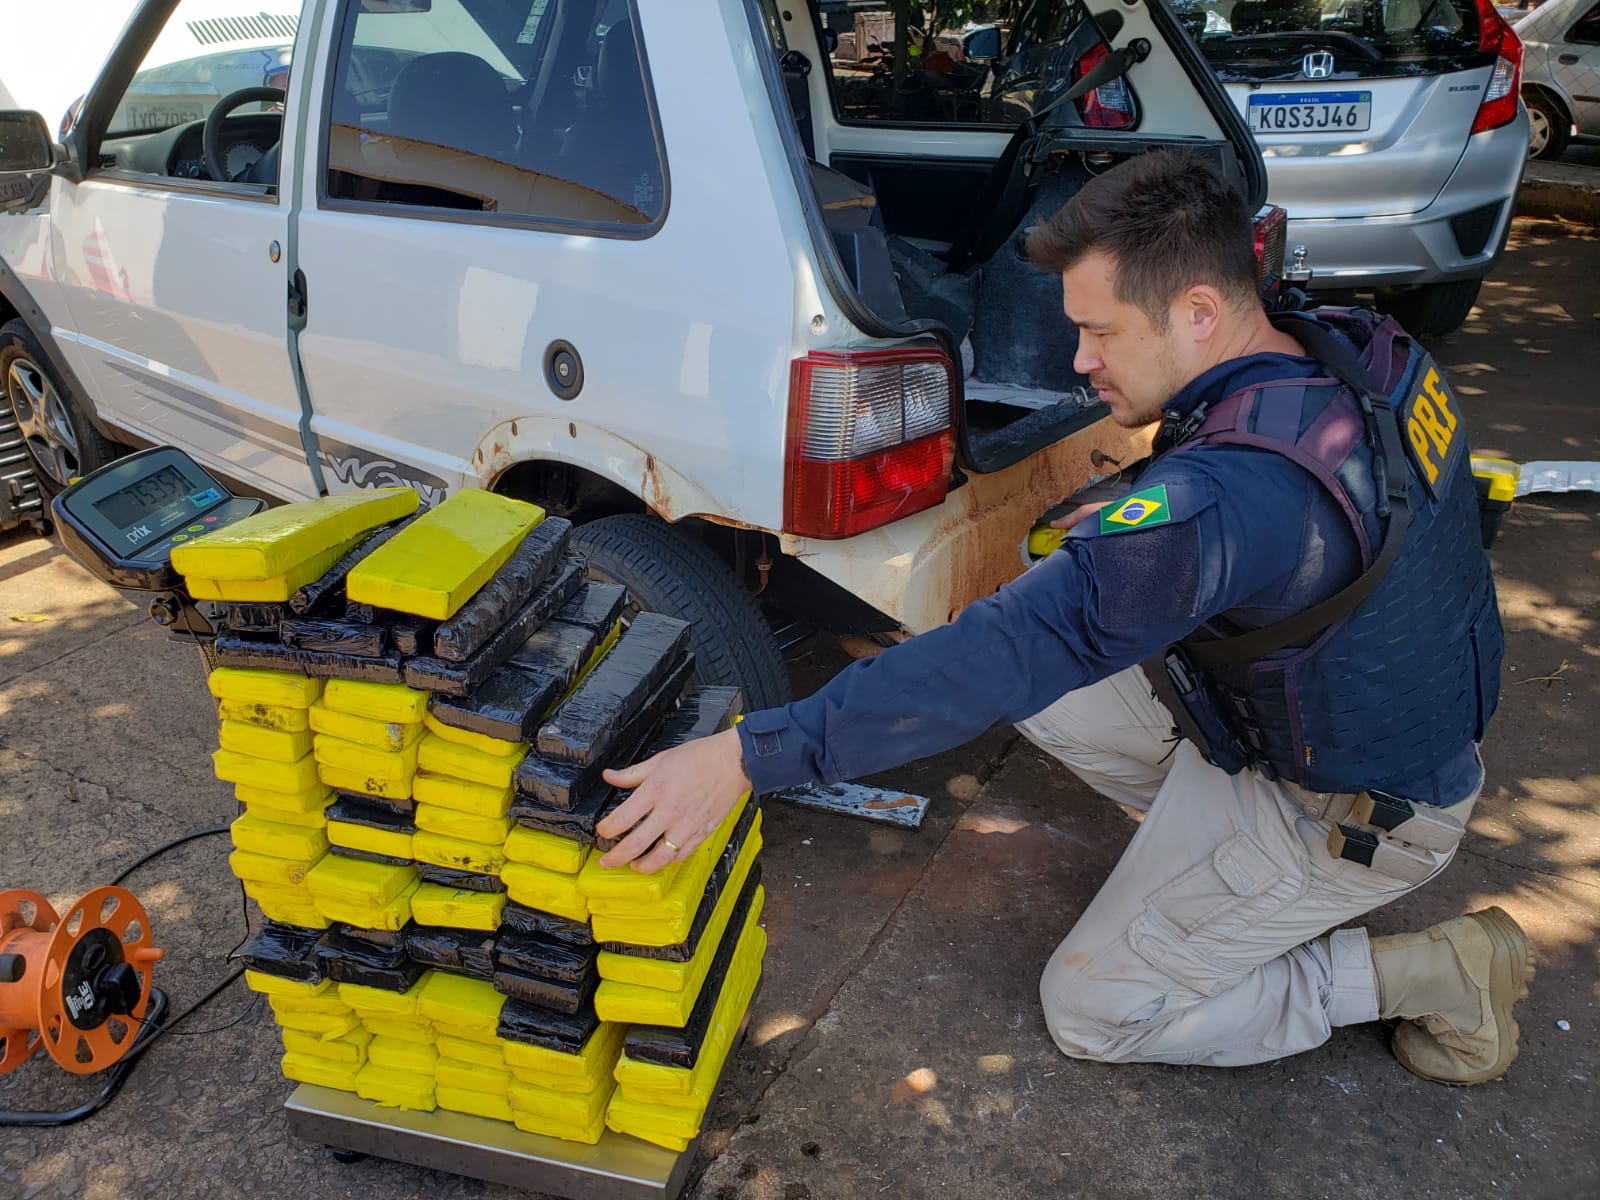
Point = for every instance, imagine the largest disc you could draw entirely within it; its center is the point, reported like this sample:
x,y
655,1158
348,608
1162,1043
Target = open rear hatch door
x,y
1067,90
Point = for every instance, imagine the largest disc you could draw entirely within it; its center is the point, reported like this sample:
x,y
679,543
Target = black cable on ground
x,y
152,1025
172,845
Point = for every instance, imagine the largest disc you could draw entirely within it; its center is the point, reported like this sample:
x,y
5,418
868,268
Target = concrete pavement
x,y
896,1048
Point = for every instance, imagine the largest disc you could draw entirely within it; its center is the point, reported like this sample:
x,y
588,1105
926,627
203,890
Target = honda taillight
x,y
1271,228
871,439
1499,104
1109,106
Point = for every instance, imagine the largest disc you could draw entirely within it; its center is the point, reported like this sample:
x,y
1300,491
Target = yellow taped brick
x,y
390,916
447,822
363,731
454,1000
467,1033
326,1026
536,848
473,1104
581,1072
388,766
233,767
351,1049
351,880
405,1090
472,1077
679,1087
364,785
389,842
535,1123
434,565
625,884
463,762
548,891
324,1072
276,985
376,701
263,868
326,1003
273,590
675,976
594,1061
457,908
440,851
310,820
567,1109
672,1128
474,799
279,689
270,838
470,1052
480,742
290,905
418,1030
273,541
371,1001
666,931
305,802
271,744
649,1006
267,716
396,1054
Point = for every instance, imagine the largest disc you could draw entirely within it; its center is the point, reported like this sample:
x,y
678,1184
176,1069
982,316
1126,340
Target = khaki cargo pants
x,y
1209,943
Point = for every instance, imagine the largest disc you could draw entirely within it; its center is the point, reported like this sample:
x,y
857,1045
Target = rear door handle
x,y
1567,60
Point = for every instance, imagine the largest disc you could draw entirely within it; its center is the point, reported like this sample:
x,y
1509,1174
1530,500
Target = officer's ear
x,y
1198,313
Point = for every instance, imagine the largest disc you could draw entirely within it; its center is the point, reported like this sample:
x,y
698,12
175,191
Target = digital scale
x,y
122,523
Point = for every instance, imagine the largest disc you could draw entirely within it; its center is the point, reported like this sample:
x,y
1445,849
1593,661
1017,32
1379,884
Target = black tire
x,y
668,571
1432,310
1546,117
62,443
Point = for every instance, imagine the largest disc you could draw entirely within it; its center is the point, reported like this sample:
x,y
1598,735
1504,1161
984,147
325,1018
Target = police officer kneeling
x,y
1299,569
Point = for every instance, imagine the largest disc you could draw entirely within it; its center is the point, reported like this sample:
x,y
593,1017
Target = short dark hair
x,y
1169,221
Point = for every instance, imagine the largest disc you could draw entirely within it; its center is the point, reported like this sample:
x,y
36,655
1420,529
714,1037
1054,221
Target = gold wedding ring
x,y
671,845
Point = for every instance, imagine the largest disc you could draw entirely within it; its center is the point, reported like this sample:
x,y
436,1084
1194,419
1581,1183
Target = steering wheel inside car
x,y
212,138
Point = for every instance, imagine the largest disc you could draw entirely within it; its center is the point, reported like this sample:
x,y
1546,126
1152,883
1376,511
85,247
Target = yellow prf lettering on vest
x,y
1441,398
1422,410
1419,443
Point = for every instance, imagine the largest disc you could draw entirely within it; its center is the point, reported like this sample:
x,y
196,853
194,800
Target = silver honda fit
x,y
1392,134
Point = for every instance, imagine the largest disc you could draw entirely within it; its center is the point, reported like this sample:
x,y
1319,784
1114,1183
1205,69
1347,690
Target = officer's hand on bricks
x,y
1077,514
680,797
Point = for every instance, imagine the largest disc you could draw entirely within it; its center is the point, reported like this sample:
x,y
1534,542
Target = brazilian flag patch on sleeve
x,y
1139,511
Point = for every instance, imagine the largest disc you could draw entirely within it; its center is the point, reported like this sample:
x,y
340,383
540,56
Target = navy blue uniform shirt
x,y
1250,534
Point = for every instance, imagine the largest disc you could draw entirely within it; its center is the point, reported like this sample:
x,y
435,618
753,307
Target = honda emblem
x,y
1317,65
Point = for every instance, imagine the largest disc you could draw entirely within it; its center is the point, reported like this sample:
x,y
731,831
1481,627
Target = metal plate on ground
x,y
858,800
615,1168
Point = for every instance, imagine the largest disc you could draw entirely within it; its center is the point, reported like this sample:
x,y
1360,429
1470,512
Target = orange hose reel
x,y
75,984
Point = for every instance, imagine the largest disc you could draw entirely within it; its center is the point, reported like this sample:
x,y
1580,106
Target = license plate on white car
x,y
1311,112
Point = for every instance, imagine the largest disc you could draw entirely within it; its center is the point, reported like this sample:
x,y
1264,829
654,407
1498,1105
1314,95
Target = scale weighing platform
x,y
122,523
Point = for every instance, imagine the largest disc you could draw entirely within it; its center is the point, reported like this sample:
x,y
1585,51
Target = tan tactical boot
x,y
1455,985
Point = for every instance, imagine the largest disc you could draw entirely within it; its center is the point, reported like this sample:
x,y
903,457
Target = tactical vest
x,y
1394,688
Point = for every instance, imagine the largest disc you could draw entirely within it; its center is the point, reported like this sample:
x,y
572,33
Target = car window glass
x,y
908,66
1334,39
235,55
524,108
1587,31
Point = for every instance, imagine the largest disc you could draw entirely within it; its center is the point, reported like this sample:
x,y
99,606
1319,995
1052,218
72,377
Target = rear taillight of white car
x,y
1109,106
1499,104
871,439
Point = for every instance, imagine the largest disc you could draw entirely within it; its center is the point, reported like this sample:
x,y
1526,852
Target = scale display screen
x,y
125,519
144,500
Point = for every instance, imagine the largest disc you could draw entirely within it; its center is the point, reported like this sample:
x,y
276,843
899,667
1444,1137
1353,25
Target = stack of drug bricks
x,y
416,710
